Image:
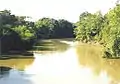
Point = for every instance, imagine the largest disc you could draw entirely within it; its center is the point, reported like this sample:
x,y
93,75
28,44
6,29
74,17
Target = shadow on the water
x,y
14,55
7,57
4,71
19,64
111,57
9,76
42,48
50,45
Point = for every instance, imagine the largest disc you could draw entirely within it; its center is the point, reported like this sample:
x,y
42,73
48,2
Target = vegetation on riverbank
x,y
18,35
104,29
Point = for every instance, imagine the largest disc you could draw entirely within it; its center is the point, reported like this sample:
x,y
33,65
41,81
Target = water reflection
x,y
51,45
63,68
12,71
4,71
19,64
15,77
76,65
90,56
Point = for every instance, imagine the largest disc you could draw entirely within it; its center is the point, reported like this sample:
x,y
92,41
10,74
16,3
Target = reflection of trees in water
x,y
14,78
51,45
61,47
19,64
4,71
91,56
112,68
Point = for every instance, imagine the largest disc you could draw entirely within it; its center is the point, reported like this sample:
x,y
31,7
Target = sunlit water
x,y
81,64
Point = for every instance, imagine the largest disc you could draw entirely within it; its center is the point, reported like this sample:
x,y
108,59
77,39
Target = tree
x,y
88,27
64,29
51,28
15,30
44,27
23,32
111,31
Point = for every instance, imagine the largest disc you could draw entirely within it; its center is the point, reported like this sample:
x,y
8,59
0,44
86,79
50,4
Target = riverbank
x,y
41,46
100,45
4,57
16,55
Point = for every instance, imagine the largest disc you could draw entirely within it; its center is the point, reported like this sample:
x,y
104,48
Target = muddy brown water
x,y
74,64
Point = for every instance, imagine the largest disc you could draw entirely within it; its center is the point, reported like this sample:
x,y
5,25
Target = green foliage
x,y
23,32
51,28
103,29
111,31
64,29
88,27
45,27
15,30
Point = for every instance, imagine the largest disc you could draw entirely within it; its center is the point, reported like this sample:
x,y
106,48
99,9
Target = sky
x,y
57,9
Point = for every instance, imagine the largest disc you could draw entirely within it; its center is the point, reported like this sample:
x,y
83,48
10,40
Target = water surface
x,y
81,64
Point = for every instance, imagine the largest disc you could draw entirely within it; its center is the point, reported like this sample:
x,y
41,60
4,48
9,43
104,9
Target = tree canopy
x,y
104,29
22,34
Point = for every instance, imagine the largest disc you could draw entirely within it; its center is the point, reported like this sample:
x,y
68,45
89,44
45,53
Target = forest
x,y
16,33
102,29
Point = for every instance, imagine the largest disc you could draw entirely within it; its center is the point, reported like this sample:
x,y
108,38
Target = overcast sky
x,y
58,9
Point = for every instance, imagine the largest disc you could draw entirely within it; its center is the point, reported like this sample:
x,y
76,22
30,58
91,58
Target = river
x,y
65,64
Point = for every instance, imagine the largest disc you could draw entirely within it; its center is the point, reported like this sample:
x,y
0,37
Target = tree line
x,y
16,33
104,29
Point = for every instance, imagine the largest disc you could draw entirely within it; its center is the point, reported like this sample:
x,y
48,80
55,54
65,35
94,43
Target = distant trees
x,y
51,28
64,29
45,27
